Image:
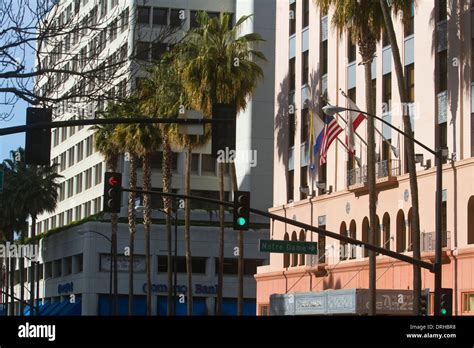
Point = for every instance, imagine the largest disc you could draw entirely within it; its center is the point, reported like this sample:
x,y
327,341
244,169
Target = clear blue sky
x,y
12,142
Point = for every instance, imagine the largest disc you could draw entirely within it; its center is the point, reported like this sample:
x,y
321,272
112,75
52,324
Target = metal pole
x,y
175,259
439,232
111,302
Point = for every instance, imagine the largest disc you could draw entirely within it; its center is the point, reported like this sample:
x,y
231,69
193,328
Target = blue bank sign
x,y
65,288
198,288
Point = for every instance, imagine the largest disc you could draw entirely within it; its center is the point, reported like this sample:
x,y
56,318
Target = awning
x,y
229,307
199,306
139,305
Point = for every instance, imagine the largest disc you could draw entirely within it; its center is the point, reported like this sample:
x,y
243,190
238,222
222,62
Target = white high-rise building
x,y
134,27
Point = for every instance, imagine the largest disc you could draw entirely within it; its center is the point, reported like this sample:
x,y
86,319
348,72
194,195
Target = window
x,y
194,20
291,130
89,146
53,222
291,184
208,164
70,187
78,212
293,18
304,181
62,191
198,264
80,151
351,50
250,266
69,216
71,157
304,125
98,173
143,15
61,219
143,50
160,16
79,183
387,92
195,163
55,137
87,209
157,50
88,178
206,194
157,159
305,13
305,70
292,74
176,18
124,19
48,270
63,134
468,302
385,39
410,81
67,265
103,8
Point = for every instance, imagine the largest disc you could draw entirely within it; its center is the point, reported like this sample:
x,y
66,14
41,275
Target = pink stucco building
x,y
313,62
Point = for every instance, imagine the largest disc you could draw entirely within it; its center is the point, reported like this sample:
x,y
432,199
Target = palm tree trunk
x,y
240,241
166,168
12,285
132,228
187,217
22,285
147,225
220,276
112,164
32,267
410,153
367,50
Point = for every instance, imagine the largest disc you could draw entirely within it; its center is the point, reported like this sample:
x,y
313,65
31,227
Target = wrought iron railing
x,y
428,240
383,169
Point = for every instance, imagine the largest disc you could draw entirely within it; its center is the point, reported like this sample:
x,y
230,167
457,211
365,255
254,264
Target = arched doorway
x,y
302,239
294,257
401,232
353,234
286,257
343,255
470,221
365,234
386,231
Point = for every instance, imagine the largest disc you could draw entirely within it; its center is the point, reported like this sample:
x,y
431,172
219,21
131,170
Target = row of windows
x,y
65,218
81,182
74,154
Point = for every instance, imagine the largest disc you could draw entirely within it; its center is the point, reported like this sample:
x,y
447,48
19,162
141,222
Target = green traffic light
x,y
444,311
241,221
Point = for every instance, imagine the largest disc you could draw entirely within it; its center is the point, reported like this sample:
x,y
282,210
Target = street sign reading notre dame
x,y
288,247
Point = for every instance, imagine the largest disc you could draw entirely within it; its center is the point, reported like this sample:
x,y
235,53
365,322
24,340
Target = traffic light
x,y
223,133
241,210
446,302
425,302
38,141
112,192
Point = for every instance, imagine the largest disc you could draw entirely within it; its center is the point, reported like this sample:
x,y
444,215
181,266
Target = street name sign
x,y
288,247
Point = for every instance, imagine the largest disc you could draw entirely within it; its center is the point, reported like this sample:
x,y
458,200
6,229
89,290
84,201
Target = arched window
x,y
343,245
365,234
353,234
294,257
470,221
302,239
386,231
286,257
410,234
401,232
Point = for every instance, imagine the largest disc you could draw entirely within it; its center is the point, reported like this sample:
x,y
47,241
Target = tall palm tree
x,y
104,142
405,7
363,20
162,95
218,65
35,192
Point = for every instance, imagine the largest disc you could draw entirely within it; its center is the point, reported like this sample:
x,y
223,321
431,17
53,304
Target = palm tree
x,y
162,95
104,142
217,66
35,191
405,7
363,21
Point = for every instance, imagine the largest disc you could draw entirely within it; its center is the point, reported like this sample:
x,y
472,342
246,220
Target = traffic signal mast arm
x,y
302,225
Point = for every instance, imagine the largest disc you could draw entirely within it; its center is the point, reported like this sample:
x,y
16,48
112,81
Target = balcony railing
x,y
428,240
383,169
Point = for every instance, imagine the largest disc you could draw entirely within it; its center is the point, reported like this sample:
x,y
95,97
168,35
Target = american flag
x,y
331,131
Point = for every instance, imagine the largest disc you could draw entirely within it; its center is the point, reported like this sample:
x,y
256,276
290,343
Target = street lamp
x,y
140,208
438,153
112,303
